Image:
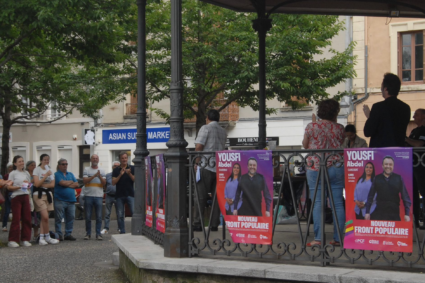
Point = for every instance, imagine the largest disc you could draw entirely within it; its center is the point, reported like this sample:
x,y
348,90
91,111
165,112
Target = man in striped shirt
x,y
94,181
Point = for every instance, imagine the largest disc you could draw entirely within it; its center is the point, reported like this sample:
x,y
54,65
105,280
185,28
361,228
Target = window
x,y
54,111
411,56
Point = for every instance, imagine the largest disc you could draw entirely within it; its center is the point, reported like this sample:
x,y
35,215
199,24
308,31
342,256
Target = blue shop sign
x,y
129,135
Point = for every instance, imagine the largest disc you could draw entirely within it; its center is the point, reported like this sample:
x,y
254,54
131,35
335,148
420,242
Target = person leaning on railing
x,y
326,134
417,139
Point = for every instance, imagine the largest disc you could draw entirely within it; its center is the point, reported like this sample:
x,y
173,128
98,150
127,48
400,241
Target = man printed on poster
x,y
388,186
253,187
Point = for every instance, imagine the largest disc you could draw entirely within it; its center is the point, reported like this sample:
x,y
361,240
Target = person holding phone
x,y
44,182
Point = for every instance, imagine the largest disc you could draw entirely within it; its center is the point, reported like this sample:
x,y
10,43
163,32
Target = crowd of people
x,y
32,191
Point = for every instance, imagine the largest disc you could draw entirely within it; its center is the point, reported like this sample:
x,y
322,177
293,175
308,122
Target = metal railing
x,y
290,240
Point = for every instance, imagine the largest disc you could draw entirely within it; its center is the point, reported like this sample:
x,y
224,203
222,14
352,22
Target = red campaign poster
x,y
245,194
148,191
160,190
379,199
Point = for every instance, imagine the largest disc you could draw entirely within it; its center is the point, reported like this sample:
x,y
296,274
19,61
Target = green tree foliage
x,y
69,52
220,55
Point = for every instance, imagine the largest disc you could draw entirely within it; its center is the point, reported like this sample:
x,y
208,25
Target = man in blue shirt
x,y
65,185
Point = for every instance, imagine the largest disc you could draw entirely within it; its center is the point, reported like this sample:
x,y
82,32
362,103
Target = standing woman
x,y
35,216
20,204
44,181
326,134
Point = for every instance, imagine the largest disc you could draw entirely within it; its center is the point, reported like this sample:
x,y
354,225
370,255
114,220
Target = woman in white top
x,y
20,204
44,181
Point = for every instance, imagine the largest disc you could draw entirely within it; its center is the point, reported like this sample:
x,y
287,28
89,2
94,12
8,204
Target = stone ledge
x,y
145,255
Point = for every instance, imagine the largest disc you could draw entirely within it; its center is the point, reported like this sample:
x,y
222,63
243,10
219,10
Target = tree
x,y
220,57
69,53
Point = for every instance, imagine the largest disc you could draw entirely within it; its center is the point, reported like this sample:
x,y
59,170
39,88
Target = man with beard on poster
x,y
254,188
388,186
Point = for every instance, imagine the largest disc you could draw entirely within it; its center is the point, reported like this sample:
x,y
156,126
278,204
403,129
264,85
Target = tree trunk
x,y
7,124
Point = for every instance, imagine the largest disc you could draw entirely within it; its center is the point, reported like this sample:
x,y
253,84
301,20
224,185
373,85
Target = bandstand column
x,y
138,218
176,238
262,25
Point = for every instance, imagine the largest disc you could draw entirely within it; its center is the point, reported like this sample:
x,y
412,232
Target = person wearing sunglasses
x,y
64,200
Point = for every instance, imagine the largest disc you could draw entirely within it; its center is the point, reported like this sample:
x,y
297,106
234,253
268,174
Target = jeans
x,y
66,210
21,212
7,206
109,201
336,180
120,211
97,203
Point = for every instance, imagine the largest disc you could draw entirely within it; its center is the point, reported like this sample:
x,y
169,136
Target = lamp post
x,y
176,238
141,151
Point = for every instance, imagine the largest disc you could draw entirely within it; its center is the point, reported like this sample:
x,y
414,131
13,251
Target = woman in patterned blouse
x,y
326,134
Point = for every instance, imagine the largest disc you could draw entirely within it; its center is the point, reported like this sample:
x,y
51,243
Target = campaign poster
x,y
149,194
245,194
379,199
160,191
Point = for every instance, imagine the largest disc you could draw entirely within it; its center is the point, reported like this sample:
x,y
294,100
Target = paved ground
x,y
79,261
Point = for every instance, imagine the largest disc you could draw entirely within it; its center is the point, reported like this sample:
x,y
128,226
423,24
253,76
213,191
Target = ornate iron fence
x,y
290,241
152,232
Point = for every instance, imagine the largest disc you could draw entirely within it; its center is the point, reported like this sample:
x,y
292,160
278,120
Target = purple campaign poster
x,y
160,190
379,199
245,194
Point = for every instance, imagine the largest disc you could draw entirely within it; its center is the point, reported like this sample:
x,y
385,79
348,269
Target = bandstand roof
x,y
378,8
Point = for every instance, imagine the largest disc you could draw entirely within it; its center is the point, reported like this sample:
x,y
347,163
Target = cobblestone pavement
x,y
76,261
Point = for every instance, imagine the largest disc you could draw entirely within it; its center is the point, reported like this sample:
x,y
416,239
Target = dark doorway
x,y
84,159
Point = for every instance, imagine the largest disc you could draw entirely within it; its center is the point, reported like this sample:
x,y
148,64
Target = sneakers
x,y
52,241
104,231
26,244
42,242
13,245
99,237
4,229
60,238
87,237
69,238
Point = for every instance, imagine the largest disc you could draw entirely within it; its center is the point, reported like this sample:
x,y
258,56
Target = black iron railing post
x,y
176,236
141,151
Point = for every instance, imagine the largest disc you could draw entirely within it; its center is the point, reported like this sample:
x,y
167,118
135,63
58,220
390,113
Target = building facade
x,y
387,45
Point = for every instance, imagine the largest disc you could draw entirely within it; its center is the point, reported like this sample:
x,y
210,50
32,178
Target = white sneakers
x,y
16,245
104,231
51,241
13,245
